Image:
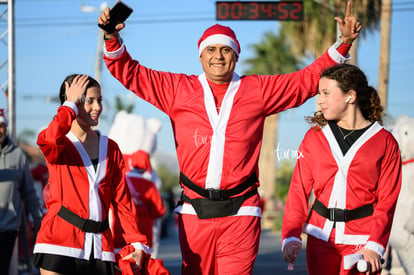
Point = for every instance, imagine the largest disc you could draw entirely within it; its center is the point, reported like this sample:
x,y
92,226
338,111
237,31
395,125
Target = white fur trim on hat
x,y
3,118
219,39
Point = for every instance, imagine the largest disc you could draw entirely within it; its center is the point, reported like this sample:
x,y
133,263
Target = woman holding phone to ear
x,y
353,166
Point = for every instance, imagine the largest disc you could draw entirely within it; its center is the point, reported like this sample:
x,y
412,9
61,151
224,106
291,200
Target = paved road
x,y
269,261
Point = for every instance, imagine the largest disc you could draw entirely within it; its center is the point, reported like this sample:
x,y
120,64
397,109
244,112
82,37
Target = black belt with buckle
x,y
218,194
342,215
207,209
218,203
81,223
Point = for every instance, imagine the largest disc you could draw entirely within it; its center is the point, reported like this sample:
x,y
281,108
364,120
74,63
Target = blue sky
x,y
55,38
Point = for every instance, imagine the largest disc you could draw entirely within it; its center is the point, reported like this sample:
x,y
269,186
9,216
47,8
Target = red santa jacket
x,y
217,150
370,172
74,183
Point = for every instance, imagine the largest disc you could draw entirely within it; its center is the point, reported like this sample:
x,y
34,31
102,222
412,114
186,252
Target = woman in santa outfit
x,y
353,166
86,176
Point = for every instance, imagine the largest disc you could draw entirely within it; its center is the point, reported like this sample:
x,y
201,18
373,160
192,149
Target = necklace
x,y
347,135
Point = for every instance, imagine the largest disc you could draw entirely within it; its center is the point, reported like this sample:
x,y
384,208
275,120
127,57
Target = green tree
x,y
312,36
120,105
26,136
283,178
169,179
272,56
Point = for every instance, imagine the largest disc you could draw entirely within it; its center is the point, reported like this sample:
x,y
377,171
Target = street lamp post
x,y
98,68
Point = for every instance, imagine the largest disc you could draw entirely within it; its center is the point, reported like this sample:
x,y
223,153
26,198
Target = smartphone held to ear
x,y
118,14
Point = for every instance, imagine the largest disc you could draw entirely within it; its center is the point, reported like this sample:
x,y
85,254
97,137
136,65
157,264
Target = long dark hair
x,y
350,77
69,79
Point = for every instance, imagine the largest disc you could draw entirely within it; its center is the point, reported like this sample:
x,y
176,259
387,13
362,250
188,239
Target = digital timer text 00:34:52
x,y
253,10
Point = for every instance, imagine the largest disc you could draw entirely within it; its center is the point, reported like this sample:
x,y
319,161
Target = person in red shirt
x,y
218,119
86,177
352,164
146,197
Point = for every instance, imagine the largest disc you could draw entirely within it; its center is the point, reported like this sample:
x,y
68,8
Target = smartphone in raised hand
x,y
118,14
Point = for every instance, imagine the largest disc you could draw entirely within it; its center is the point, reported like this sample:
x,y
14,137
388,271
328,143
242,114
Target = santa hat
x,y
3,118
141,160
219,34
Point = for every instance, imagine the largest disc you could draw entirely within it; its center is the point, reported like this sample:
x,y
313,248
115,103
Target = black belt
x,y
207,209
81,223
342,215
217,194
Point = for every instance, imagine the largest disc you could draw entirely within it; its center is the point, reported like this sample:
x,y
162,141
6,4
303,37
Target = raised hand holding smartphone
x,y
118,14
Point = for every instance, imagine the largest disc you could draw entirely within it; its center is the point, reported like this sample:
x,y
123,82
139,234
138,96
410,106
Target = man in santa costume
x,y
217,119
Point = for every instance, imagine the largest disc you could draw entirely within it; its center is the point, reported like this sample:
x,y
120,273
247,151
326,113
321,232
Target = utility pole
x,y
267,169
384,62
98,68
8,86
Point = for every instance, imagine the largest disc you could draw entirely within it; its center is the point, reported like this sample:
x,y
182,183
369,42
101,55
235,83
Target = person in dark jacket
x,y
16,191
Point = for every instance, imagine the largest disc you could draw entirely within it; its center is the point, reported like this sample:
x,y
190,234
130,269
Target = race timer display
x,y
263,10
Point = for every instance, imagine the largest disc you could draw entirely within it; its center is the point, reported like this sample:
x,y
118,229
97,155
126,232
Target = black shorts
x,y
69,265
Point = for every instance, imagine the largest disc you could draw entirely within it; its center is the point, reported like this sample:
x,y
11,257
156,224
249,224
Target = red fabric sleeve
x,y
51,140
149,266
344,49
126,265
112,44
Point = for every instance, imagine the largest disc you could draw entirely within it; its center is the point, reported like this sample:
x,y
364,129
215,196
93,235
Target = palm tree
x,y
120,105
272,56
312,36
